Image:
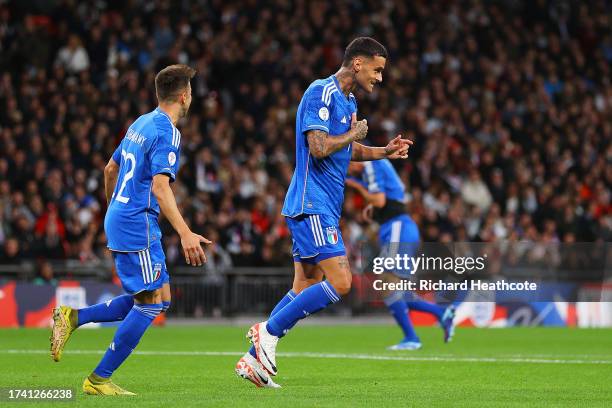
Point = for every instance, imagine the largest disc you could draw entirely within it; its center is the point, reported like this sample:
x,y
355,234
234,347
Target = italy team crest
x,y
157,271
332,235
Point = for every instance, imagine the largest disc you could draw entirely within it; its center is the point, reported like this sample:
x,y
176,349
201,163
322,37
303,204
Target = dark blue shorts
x,y
316,237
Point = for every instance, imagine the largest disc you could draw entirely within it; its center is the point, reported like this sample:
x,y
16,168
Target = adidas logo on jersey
x,y
343,119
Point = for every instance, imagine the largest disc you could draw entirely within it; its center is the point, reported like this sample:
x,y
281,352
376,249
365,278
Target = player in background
x,y
137,183
327,135
384,194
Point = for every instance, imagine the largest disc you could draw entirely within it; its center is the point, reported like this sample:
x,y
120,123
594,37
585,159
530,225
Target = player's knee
x,y
299,286
148,296
343,289
342,286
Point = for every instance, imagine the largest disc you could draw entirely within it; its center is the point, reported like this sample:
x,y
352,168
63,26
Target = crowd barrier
x,y
254,292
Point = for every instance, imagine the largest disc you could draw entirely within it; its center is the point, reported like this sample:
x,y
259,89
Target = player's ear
x,y
357,62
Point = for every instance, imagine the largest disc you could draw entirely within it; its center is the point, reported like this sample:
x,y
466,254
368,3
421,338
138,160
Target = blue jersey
x,y
317,186
398,233
150,147
380,177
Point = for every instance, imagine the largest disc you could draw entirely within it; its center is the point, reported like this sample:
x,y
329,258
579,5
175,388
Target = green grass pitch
x,y
329,366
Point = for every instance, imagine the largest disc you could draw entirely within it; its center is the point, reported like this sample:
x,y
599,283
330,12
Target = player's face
x,y
185,101
369,71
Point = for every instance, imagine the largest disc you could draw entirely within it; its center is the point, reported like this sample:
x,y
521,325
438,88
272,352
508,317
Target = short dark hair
x,y
365,47
173,79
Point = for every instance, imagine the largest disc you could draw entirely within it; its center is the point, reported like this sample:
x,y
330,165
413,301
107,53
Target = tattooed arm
x,y
322,145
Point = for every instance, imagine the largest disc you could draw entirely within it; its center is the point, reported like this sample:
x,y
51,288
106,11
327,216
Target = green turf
x,y
581,376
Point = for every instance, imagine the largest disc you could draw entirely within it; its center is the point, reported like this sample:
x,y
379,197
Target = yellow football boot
x,y
64,323
103,388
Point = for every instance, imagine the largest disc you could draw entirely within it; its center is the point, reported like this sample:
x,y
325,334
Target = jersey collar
x,y
158,109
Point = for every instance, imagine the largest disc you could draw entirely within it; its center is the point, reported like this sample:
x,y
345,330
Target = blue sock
x,y
309,301
165,306
111,311
127,337
289,296
427,307
399,310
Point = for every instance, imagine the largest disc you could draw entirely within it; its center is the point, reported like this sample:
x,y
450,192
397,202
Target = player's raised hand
x,y
398,148
192,248
358,127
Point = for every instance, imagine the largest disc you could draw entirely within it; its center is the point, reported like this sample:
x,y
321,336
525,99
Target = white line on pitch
x,y
338,356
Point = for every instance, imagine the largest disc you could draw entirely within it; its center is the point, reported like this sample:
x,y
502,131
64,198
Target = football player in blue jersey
x,y
137,183
381,187
327,135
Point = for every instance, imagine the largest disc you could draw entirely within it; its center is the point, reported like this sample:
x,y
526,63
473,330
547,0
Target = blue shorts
x,y
316,237
143,270
399,235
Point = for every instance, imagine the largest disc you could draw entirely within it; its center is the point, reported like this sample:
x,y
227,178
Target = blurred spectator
x,y
45,274
73,56
218,259
475,192
11,253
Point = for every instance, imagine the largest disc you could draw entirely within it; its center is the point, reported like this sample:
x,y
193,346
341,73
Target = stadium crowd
x,y
509,104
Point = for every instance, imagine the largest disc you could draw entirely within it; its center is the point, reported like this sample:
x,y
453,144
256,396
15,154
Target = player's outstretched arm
x,y
111,172
395,149
322,145
191,242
